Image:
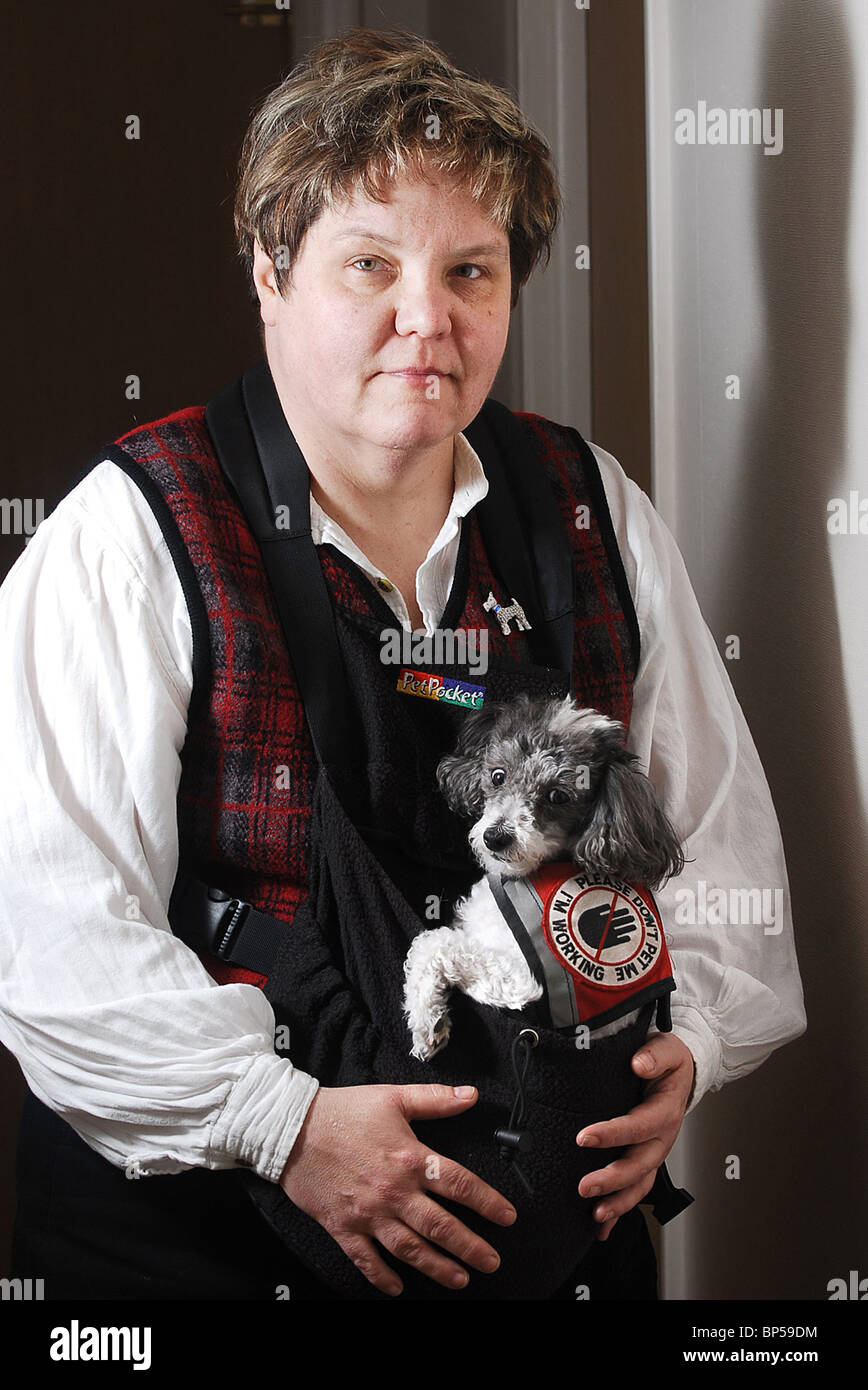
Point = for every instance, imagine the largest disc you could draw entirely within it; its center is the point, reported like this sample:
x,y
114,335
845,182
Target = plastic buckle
x,y
225,917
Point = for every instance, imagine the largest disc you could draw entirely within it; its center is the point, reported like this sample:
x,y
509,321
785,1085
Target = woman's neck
x,y
392,507
390,501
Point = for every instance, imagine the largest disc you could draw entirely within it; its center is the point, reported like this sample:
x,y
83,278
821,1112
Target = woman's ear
x,y
265,285
629,836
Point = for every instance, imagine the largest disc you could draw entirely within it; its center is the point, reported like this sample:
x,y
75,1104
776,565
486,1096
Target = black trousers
x,y
93,1233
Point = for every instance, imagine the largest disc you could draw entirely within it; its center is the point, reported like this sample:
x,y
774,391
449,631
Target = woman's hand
x,y
358,1169
650,1129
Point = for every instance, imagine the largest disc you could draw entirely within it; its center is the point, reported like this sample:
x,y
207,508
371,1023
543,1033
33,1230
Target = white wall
x,y
758,268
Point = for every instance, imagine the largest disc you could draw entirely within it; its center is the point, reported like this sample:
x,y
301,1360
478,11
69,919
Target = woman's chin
x,y
415,425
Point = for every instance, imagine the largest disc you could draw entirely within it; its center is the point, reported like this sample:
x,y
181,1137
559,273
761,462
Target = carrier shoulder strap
x,y
524,532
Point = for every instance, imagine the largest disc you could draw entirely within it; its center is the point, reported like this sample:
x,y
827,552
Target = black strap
x,y
266,468
210,920
539,1010
524,533
665,1199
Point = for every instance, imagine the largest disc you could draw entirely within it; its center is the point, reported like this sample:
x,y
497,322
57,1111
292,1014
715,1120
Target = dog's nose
x,y
497,837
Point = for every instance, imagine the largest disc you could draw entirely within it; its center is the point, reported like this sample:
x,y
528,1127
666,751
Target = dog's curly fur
x,y
542,780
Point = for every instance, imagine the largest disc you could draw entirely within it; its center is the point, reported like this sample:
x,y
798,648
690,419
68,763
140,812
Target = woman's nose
x,y
423,306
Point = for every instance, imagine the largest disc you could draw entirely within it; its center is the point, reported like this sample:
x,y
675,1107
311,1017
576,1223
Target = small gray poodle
x,y
542,781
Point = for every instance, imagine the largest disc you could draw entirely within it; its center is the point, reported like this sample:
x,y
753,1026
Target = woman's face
x,y
421,282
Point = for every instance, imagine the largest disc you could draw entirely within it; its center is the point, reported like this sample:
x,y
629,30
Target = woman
x,y
390,209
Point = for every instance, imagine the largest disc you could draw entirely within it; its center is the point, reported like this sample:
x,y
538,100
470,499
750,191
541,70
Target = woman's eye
x,y
558,797
498,777
375,260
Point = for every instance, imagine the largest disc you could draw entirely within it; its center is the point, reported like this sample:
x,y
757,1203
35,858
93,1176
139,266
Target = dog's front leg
x,y
492,967
428,976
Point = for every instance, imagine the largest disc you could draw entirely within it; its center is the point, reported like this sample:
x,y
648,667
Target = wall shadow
x,y
799,1122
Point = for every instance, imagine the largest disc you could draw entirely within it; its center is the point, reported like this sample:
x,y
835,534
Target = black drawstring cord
x,y
513,1139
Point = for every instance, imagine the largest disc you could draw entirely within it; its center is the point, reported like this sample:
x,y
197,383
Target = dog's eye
x,y
498,777
558,797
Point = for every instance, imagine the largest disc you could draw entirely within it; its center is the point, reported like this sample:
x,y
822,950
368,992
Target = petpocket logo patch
x,y
449,689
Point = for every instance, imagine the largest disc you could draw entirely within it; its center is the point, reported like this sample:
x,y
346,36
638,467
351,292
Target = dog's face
x,y
547,779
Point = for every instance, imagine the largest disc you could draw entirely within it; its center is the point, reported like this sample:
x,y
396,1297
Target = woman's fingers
x,y
362,1251
414,1241
615,1204
638,1163
407,1245
606,1228
446,1178
444,1230
359,1169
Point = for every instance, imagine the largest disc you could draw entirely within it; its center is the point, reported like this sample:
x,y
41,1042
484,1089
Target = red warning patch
x,y
606,934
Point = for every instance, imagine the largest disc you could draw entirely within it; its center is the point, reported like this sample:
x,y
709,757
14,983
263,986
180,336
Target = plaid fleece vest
x,y
248,762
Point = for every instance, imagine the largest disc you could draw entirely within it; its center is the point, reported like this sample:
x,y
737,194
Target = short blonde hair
x,y
360,109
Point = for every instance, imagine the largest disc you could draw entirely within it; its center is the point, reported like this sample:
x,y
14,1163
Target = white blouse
x,y
116,1024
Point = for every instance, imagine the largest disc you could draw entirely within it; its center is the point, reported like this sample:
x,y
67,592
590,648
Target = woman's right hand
x,y
359,1170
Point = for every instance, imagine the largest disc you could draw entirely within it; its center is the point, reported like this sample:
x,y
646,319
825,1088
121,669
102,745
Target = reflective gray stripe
x,y
562,998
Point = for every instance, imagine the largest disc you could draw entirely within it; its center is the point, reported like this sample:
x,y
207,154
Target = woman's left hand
x,y
650,1129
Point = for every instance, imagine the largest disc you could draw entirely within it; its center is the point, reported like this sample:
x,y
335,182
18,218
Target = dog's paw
x,y
428,1041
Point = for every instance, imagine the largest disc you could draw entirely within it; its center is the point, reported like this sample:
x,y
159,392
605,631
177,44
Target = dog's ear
x,y
459,774
629,836
460,781
476,729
